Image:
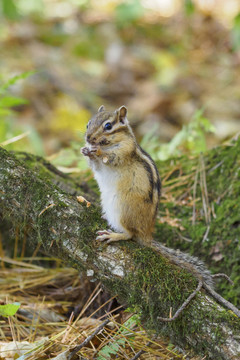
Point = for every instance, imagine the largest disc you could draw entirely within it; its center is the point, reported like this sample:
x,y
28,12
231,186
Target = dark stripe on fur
x,y
114,121
158,187
148,168
157,184
121,129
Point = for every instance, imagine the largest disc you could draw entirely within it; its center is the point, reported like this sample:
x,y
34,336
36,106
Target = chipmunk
x,y
130,187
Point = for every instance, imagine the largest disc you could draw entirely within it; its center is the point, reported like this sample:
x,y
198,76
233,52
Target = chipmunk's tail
x,y
185,261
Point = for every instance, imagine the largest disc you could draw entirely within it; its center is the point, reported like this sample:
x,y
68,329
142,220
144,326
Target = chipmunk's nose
x,y
91,140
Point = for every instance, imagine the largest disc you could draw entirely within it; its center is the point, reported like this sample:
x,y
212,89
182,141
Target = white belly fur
x,y
107,179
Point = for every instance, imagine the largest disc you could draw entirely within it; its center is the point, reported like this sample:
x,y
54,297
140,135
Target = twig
x,y
184,237
221,300
140,352
206,234
184,305
213,211
15,138
194,196
203,184
215,167
46,208
223,276
88,339
89,301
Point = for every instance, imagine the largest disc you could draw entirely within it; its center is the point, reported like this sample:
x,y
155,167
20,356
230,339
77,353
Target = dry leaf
x,y
81,199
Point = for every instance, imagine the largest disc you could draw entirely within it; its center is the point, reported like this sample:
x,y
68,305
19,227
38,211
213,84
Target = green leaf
x,y
235,35
9,309
113,347
189,7
5,112
128,12
191,138
9,101
107,351
10,9
15,78
131,322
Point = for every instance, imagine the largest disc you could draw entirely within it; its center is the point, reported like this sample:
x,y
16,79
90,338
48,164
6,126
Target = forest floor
x,y
60,308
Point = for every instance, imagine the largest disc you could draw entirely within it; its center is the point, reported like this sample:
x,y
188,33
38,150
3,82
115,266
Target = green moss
x,y
35,194
223,188
153,287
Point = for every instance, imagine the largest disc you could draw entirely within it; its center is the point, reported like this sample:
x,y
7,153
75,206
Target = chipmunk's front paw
x,y
85,151
93,151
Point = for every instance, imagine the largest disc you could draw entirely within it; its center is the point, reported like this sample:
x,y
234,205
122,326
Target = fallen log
x,y
42,203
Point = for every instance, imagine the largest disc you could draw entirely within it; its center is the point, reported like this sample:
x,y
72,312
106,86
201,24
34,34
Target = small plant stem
x,y
87,340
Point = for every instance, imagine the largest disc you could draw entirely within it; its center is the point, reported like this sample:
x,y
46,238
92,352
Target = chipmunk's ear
x,y
122,114
102,108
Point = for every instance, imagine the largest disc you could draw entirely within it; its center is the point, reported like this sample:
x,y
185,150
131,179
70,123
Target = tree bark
x,y
41,203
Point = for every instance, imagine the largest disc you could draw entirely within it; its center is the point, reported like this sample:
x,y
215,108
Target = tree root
x,y
184,305
221,300
209,290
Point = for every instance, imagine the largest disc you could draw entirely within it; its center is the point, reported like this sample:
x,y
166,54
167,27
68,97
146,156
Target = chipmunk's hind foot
x,y
109,236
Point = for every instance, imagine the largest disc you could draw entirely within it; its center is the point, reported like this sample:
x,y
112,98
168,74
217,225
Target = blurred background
x,y
174,64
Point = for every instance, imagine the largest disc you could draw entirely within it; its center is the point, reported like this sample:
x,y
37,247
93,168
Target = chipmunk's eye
x,y
108,126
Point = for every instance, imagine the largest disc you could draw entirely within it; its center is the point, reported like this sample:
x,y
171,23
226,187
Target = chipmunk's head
x,y
108,128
